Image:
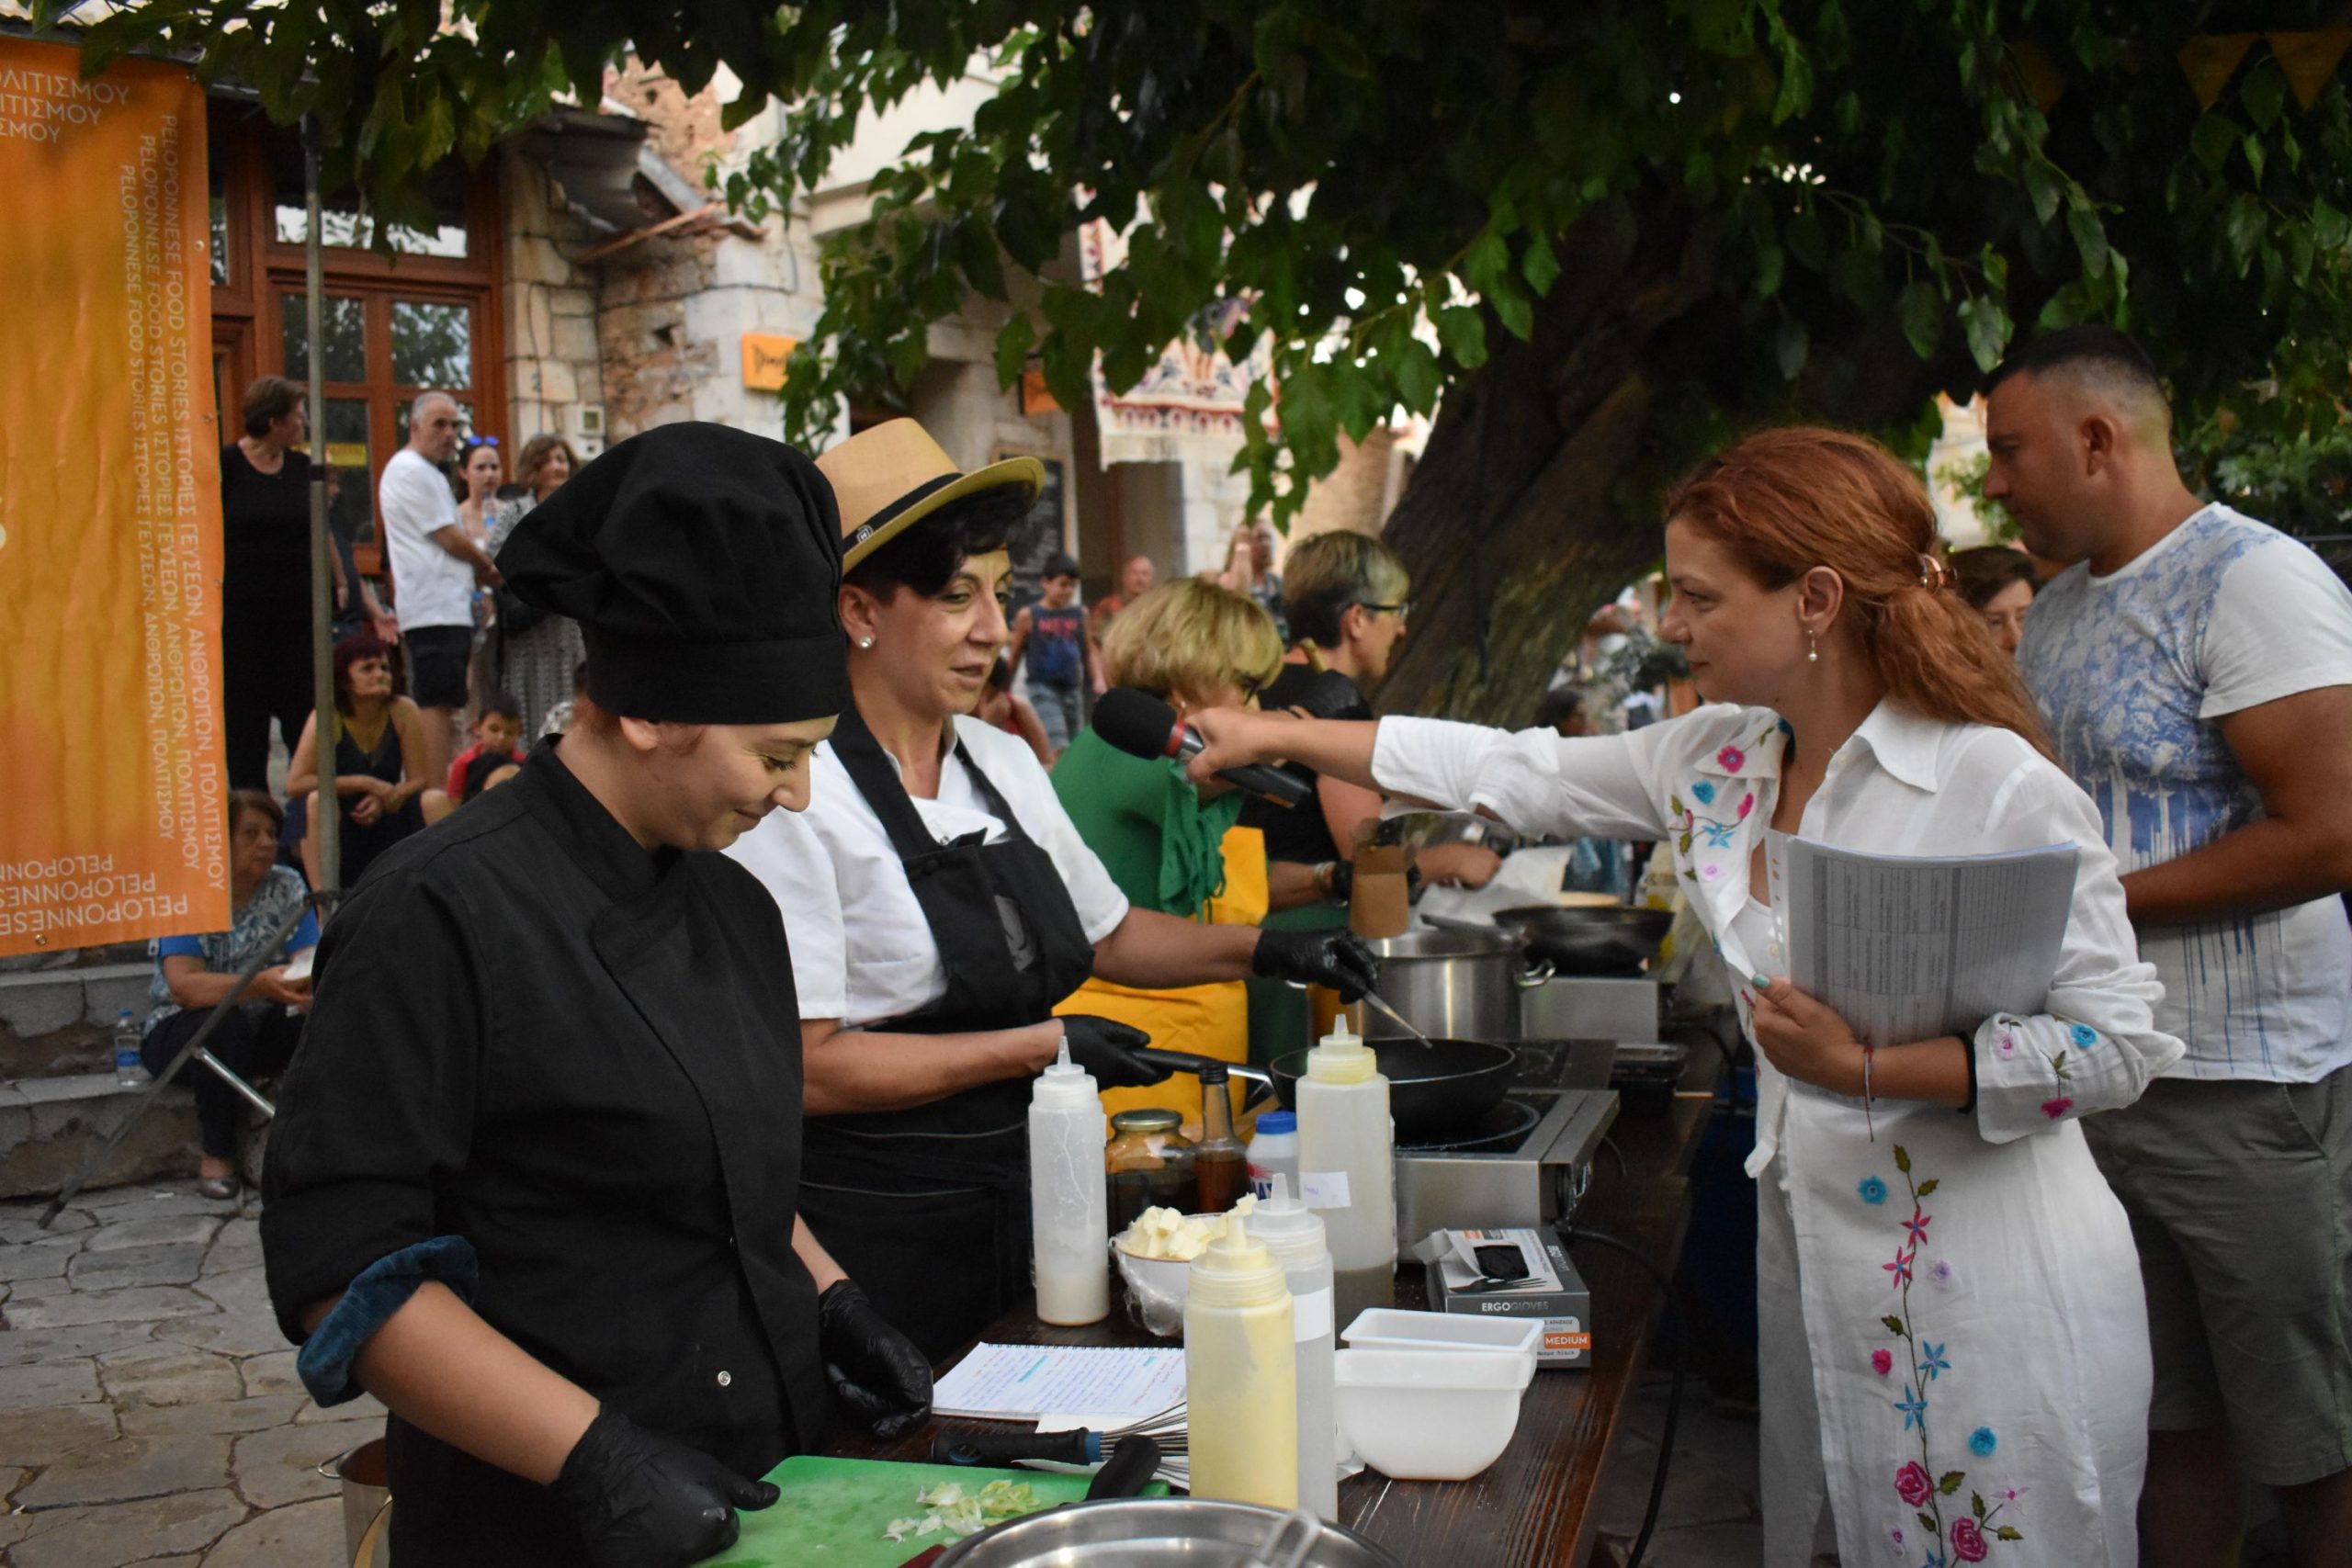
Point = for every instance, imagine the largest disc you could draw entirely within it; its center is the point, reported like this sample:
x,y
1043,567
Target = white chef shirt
x,y
1902,784
2132,669
861,950
434,588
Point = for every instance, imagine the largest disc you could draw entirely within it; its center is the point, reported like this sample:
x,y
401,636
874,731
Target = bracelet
x,y
1868,1052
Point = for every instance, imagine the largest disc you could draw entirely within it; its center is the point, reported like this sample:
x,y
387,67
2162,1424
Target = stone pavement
x,y
149,1409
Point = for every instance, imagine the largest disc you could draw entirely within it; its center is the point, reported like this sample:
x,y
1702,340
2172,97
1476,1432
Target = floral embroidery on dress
x,y
1731,759
2054,1109
1968,1536
2083,1035
1942,1273
1704,791
1872,1189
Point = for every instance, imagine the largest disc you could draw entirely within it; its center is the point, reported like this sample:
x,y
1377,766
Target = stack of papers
x,y
1914,947
1111,1386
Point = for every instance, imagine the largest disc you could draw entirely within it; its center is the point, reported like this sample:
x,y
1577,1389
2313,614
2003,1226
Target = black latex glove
x,y
641,1501
1337,959
1106,1049
880,1376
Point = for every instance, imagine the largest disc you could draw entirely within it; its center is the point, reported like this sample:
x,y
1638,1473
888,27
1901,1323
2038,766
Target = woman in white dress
x,y
1954,1347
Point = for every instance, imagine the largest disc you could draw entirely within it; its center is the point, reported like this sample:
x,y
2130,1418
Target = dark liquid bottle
x,y
1149,1165
1220,1165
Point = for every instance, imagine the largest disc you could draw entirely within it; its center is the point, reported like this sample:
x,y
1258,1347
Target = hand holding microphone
x,y
1142,726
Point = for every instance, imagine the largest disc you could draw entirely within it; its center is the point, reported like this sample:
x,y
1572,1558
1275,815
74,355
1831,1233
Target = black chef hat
x,y
703,564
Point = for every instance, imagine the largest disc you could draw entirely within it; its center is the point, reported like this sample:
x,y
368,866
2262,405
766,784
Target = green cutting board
x,y
833,1510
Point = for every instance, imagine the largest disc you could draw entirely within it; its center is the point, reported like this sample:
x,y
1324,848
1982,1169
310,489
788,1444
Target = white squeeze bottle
x,y
1240,1374
1069,1212
1295,1237
1347,1168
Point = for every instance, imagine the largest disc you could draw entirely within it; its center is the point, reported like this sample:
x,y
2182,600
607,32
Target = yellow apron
x,y
1208,1020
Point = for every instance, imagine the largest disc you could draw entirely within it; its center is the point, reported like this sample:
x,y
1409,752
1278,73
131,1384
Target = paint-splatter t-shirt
x,y
2134,671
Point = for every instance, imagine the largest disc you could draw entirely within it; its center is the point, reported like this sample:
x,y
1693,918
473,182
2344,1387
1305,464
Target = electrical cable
x,y
1611,1144
1572,1234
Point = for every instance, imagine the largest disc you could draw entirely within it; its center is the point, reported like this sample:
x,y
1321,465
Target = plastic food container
x,y
1430,1415
1394,1328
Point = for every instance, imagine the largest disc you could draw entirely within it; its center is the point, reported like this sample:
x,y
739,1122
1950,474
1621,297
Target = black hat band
x,y
777,681
881,519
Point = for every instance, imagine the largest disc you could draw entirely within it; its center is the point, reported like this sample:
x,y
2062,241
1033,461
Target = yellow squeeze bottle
x,y
1241,1373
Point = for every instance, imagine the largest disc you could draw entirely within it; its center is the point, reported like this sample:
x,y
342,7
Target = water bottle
x,y
1347,1167
1240,1374
1293,1237
1068,1205
1273,1151
129,1070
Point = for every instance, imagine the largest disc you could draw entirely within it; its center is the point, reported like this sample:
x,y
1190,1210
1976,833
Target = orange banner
x,y
112,783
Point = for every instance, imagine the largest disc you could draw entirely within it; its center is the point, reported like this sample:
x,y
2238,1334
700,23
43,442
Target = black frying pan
x,y
1588,939
1433,1088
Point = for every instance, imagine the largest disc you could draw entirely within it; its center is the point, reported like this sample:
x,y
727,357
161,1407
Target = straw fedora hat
x,y
895,474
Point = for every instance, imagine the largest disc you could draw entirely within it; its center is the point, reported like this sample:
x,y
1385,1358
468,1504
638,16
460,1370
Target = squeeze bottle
x,y
1295,1237
1347,1167
1240,1374
1070,1220
1273,1151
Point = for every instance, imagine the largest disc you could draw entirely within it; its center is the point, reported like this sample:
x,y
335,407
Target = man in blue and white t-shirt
x,y
2195,667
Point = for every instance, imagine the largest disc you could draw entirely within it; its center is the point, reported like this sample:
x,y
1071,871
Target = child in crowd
x,y
495,730
999,706
1052,634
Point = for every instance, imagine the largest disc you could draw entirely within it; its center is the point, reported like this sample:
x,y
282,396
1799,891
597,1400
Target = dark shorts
x,y
437,656
2240,1196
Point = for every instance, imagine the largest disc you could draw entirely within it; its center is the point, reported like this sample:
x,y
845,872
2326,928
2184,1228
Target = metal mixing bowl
x,y
1155,1532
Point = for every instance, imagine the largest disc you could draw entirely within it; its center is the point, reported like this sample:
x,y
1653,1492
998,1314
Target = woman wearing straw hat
x,y
533,1181
940,903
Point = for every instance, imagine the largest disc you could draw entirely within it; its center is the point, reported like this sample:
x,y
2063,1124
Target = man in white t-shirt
x,y
435,568
2195,667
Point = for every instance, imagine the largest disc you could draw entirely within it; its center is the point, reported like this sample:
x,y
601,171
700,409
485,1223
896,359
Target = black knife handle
x,y
1079,1447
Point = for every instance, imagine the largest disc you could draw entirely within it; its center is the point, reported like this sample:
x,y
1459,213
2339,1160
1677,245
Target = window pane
x,y
344,353
341,222
432,344
350,485
220,240
216,165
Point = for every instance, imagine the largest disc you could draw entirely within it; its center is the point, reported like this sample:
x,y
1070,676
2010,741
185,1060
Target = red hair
x,y
1784,502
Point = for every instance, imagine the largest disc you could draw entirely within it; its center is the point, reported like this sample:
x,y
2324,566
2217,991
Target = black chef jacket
x,y
584,1060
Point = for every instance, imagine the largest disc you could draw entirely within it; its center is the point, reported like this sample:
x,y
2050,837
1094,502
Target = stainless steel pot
x,y
1452,984
1163,1533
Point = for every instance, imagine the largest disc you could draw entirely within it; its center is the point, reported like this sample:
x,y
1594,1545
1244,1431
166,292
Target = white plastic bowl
x,y
1156,1290
1430,1415
1394,1328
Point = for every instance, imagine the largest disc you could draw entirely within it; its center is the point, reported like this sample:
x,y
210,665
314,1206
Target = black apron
x,y
928,1208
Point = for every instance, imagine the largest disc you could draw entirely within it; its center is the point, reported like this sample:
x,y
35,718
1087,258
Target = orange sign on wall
x,y
112,817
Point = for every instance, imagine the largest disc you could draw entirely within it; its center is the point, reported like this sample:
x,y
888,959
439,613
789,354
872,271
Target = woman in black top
x,y
534,1182
266,579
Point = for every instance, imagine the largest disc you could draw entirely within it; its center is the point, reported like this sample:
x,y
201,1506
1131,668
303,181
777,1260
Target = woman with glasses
x,y
1169,845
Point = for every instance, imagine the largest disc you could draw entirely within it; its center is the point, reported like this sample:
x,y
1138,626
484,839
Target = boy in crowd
x,y
495,730
1052,632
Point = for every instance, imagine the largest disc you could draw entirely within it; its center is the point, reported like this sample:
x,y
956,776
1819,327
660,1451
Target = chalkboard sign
x,y
1039,534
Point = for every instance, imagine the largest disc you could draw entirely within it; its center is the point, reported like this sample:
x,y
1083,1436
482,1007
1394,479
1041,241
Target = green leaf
x,y
1463,331
1975,1499
1920,310
1770,262
2242,230
1013,341
1902,1159
1928,1186
2007,1532
1949,1482
1893,1324
1790,346
1540,265
2043,185
1420,378
2254,157
1927,1523
1513,309
2213,139
2090,239
1988,331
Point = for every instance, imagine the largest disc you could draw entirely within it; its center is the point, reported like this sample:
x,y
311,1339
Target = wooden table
x,y
1534,1508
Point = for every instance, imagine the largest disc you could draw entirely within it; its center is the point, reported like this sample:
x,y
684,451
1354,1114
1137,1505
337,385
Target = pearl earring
x,y
1812,646
865,642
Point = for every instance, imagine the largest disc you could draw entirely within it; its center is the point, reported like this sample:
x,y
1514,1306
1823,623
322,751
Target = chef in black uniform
x,y
534,1179
941,905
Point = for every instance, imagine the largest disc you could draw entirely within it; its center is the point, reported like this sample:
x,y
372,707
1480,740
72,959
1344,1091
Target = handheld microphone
x,y
1142,726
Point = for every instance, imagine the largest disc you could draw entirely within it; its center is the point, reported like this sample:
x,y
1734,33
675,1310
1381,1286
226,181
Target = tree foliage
x,y
1648,222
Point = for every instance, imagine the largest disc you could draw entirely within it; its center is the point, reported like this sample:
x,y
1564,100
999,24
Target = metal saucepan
x,y
1433,1086
1588,939
1180,1532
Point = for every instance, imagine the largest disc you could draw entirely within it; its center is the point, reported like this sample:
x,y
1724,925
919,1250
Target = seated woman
x,y
1169,846
194,975
379,763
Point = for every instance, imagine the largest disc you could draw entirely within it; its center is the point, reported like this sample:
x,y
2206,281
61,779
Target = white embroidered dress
x,y
1973,1383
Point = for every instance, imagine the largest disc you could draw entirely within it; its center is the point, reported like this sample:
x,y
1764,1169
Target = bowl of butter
x,y
1155,1256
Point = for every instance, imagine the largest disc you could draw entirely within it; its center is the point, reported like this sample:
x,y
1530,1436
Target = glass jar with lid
x,y
1149,1164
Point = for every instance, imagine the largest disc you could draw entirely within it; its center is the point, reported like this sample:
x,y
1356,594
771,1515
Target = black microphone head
x,y
1136,722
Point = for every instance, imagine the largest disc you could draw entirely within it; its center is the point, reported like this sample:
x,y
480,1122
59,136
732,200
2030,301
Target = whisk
x,y
1076,1447
1168,1428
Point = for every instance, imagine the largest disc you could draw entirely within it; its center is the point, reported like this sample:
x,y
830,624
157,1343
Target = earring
x,y
1812,646
865,642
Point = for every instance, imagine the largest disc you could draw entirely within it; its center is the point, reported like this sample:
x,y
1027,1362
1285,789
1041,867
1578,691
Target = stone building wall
x,y
553,360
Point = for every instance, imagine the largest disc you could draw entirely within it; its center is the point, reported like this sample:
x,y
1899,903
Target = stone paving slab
x,y
28,1345
177,1263
140,1305
130,1469
157,1229
233,1416
31,1437
162,1373
273,1373
45,1384
244,1334
274,1468
118,1534
304,1533
47,1258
